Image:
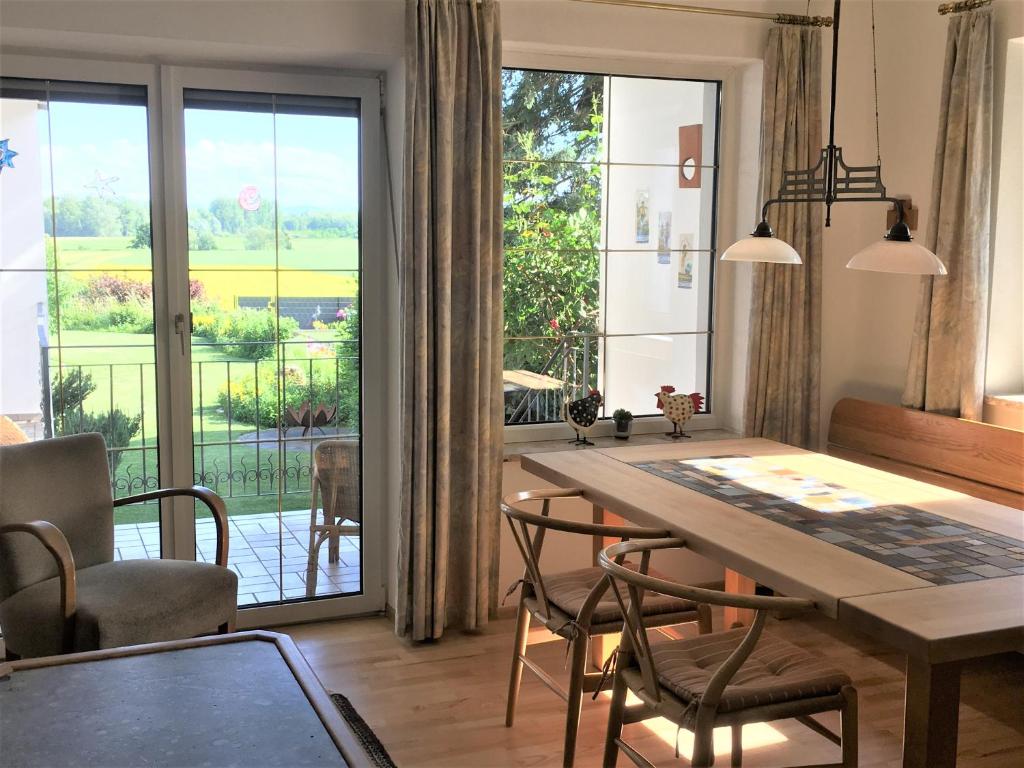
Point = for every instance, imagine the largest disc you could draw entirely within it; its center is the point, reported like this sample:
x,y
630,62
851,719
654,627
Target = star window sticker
x,y
7,155
101,184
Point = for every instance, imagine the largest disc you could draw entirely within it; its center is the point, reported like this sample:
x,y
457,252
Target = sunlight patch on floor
x,y
755,735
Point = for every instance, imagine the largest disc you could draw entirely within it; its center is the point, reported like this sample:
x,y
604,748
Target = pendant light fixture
x,y
833,181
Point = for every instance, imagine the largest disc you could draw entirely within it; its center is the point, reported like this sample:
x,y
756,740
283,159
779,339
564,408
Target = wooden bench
x,y
971,457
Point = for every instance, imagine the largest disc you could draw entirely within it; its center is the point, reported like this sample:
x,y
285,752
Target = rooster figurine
x,y
678,408
581,415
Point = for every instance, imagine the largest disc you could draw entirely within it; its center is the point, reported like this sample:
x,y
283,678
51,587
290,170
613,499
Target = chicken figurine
x,y
581,415
678,408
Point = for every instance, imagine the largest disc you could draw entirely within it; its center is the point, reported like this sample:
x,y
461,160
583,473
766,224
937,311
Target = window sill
x,y
513,450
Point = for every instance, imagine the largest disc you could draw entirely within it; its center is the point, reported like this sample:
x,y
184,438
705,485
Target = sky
x,y
102,149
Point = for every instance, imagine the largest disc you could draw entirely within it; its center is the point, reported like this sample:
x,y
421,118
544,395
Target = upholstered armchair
x,y
61,590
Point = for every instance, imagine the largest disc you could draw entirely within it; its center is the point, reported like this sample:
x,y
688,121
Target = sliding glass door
x,y
190,276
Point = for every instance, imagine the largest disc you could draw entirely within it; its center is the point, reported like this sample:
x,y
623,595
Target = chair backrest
x,y
629,586
336,470
64,481
528,530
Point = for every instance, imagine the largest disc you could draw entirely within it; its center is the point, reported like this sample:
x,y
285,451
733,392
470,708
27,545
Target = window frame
x,y
730,192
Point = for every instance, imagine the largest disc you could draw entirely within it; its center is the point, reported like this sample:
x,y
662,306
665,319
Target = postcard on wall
x,y
685,270
643,216
665,237
686,265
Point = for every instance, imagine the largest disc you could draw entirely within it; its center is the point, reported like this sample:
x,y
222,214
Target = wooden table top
x,y
245,698
794,563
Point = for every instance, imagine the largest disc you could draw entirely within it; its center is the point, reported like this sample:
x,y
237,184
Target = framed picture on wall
x,y
664,237
686,265
643,216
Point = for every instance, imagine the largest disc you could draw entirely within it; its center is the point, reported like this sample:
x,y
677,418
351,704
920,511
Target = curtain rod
x,y
778,18
964,5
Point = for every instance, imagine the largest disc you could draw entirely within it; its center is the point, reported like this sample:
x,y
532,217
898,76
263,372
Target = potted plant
x,y
623,423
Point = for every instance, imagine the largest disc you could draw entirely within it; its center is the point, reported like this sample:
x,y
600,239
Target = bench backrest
x,y
978,459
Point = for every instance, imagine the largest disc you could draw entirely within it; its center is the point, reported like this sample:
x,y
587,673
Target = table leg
x,y
931,714
601,647
738,584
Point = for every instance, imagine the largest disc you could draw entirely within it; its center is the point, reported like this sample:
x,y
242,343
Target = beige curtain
x,y
451,318
785,312
946,373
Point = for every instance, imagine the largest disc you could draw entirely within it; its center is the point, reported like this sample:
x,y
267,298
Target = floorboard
x,y
442,704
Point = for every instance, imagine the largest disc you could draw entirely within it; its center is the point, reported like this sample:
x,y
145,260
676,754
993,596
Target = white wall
x,y
868,317
22,294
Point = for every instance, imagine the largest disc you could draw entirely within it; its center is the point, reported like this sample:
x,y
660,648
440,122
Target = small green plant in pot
x,y
623,423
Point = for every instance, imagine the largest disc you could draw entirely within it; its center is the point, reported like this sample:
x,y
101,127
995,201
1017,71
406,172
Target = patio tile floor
x,y
269,557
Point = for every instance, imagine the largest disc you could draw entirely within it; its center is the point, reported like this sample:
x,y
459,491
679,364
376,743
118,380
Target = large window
x,y
609,239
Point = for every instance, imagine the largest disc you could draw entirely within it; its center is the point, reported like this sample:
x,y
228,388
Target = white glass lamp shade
x,y
898,253
759,248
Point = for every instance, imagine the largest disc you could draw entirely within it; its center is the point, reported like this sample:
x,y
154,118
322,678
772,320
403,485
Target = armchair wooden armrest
x,y
51,537
212,501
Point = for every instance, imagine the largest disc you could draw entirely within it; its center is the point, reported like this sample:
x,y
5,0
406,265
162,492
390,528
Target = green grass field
x,y
123,370
88,253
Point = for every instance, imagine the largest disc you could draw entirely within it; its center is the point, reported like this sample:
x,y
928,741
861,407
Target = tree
x,y
227,211
143,238
553,129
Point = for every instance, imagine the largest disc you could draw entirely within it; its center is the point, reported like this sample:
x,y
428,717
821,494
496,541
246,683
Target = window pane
x,y
541,373
636,367
659,121
552,115
647,210
664,292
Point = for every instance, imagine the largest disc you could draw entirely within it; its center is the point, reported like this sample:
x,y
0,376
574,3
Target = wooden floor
x,y
442,704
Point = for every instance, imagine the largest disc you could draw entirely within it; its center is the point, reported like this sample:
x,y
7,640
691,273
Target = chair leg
x,y
333,548
518,650
703,618
849,726
611,748
580,649
703,746
737,746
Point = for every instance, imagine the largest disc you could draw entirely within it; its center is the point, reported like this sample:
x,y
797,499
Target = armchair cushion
x,y
127,602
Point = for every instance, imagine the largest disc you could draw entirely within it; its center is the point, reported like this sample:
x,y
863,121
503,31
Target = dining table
x,y
932,572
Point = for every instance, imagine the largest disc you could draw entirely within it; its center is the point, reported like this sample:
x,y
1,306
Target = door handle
x,y
180,329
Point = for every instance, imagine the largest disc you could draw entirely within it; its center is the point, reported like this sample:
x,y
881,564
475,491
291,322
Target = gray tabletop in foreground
x,y
247,699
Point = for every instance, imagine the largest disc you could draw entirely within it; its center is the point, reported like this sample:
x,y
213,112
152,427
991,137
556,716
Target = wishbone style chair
x,y
574,605
725,678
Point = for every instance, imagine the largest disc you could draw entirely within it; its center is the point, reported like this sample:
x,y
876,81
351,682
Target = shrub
x,y
240,401
259,239
196,290
247,333
201,240
68,395
117,288
130,317
117,427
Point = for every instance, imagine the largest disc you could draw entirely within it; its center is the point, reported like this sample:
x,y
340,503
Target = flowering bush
x,y
253,398
117,288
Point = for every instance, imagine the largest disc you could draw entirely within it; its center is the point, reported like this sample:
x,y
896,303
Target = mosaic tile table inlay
x,y
912,540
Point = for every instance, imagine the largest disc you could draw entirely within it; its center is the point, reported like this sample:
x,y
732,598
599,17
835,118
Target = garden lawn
x,y
121,365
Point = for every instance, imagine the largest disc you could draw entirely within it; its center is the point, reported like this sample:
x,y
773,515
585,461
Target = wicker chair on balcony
x,y
722,679
336,481
574,605
61,590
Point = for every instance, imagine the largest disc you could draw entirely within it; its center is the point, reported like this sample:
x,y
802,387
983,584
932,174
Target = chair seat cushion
x,y
776,671
569,590
122,603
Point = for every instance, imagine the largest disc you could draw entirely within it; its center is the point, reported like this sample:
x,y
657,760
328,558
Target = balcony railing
x,y
267,453
536,395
